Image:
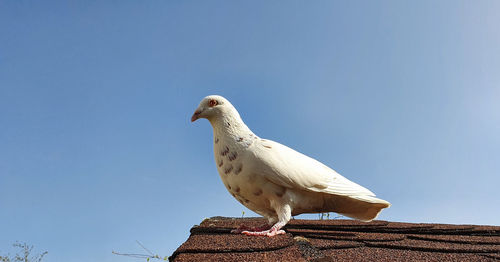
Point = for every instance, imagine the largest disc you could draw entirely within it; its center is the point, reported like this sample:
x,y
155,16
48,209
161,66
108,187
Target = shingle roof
x,y
341,240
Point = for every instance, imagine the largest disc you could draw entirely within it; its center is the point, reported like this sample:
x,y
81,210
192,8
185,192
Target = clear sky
x,y
96,146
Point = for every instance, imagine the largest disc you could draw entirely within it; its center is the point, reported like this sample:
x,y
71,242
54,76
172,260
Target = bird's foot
x,y
244,228
269,233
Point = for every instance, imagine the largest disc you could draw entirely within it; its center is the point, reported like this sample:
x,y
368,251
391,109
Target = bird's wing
x,y
289,168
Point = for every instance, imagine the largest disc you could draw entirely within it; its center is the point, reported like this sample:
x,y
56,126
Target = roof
x,y
341,240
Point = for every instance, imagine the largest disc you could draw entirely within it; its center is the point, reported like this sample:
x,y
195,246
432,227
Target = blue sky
x,y
96,147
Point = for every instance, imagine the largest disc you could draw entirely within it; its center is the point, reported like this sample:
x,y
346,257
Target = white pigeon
x,y
274,180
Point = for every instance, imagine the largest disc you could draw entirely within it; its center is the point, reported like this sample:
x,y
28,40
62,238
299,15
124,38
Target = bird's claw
x,y
268,233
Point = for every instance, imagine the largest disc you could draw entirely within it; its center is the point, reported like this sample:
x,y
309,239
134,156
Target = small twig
x,y
132,255
151,253
148,257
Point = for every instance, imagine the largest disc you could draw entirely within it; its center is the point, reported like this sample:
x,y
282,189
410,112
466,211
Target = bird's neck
x,y
230,126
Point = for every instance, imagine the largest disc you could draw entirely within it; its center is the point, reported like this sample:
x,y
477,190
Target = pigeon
x,y
274,180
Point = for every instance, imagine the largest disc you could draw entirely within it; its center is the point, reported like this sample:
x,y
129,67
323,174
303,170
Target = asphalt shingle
x,y
341,240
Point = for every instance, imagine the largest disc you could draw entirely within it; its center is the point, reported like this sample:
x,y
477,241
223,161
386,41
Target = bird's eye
x,y
212,103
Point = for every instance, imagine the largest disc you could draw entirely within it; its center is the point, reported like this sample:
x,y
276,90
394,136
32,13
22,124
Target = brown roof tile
x,y
383,254
290,253
341,240
233,243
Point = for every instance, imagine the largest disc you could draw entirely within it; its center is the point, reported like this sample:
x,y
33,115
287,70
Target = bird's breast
x,y
230,164
254,190
241,180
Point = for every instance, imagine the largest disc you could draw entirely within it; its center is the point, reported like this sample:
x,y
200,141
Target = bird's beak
x,y
196,115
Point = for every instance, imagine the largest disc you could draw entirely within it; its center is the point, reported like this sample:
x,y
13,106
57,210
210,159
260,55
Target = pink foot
x,y
269,233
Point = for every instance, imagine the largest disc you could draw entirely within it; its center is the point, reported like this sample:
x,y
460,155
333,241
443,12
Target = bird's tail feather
x,y
365,208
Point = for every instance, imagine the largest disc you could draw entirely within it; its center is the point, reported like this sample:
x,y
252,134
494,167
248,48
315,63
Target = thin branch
x,y
148,257
132,255
151,253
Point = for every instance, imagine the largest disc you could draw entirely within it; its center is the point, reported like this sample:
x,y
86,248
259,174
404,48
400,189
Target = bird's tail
x,y
365,208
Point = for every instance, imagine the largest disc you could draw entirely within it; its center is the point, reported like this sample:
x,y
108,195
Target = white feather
x,y
292,169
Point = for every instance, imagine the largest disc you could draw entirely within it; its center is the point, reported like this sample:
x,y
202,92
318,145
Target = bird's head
x,y
212,107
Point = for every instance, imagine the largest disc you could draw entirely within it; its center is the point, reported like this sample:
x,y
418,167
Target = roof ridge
x,y
250,250
344,240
